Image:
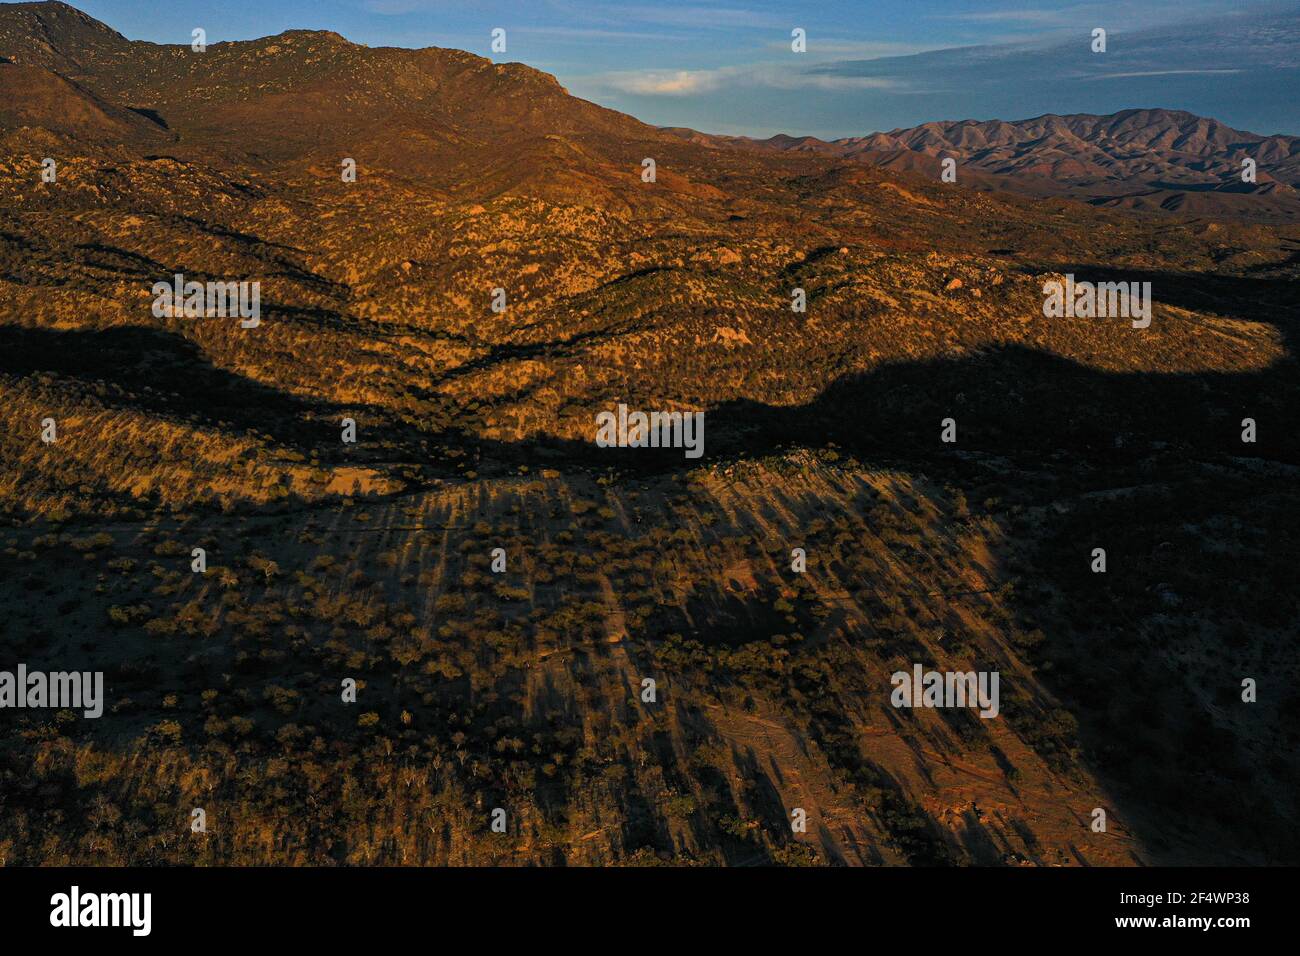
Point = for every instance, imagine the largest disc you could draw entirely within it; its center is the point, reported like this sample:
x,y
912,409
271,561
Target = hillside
x,y
522,688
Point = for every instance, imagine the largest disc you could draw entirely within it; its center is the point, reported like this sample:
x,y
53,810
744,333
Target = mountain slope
x,y
311,98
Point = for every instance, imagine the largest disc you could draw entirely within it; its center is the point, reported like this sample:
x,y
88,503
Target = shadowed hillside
x,y
500,587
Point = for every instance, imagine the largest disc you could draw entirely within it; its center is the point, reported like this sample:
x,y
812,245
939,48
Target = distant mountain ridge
x,y
460,122
1142,159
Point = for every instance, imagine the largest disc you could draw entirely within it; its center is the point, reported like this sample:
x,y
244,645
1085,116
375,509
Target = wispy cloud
x,y
1118,76
586,33
857,49
661,82
1113,15
696,82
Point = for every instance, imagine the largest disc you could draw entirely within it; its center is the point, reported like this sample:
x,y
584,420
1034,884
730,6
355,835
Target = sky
x,y
726,66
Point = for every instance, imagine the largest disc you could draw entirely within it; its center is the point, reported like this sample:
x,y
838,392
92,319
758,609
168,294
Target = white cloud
x,y
662,82
693,82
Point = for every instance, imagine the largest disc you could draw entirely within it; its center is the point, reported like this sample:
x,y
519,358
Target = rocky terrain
x,y
522,688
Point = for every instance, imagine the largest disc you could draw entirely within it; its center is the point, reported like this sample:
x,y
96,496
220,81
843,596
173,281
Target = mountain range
x,y
1146,160
498,588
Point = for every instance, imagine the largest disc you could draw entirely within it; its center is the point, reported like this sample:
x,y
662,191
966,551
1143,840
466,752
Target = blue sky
x,y
726,65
